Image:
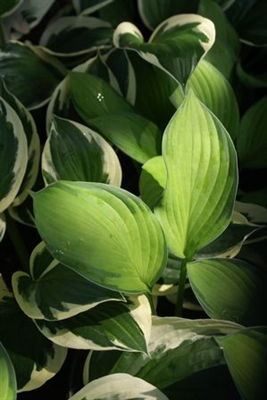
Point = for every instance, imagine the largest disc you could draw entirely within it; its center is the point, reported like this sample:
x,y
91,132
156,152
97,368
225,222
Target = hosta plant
x,y
133,199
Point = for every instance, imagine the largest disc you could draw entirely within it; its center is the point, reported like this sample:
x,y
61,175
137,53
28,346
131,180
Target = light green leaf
x,y
136,136
53,291
152,181
176,45
201,165
230,289
33,143
76,35
246,356
108,326
2,226
13,154
213,89
177,349
119,387
8,384
114,240
35,70
252,141
93,97
89,156
35,359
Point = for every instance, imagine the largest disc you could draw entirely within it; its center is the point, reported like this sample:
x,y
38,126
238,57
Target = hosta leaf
x,y
136,136
8,383
30,73
200,160
89,157
73,35
53,291
93,97
152,181
212,88
119,387
23,213
177,349
230,289
13,154
114,240
153,13
246,356
35,359
175,46
252,141
112,325
89,6
2,226
33,143
9,6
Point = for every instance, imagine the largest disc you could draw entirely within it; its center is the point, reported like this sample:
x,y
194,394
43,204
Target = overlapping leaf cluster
x,y
128,131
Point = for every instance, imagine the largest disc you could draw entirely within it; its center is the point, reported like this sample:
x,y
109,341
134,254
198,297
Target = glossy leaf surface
x,y
8,384
200,160
246,357
230,289
114,240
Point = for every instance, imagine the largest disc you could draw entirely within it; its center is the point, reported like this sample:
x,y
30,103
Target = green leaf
x,y
114,240
89,6
251,141
108,326
230,289
13,154
90,157
53,291
76,35
36,69
119,387
153,13
2,226
8,7
213,89
33,144
152,181
136,136
8,384
93,97
200,160
177,349
246,356
175,46
35,359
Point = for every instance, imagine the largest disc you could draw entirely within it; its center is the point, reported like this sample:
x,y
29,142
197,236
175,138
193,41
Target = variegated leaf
x,y
13,154
176,45
75,152
35,358
119,387
108,326
53,291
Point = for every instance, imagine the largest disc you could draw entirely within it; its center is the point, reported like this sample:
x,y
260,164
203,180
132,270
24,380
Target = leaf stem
x,y
181,289
16,240
151,302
